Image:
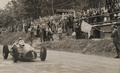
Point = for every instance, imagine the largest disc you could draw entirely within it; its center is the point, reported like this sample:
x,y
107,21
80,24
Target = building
x,y
97,30
60,11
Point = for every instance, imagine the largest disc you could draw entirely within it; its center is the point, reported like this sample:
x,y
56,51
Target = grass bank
x,y
10,38
102,47
92,47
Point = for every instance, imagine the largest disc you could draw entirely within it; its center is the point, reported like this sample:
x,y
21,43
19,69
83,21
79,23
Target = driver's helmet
x,y
20,38
21,41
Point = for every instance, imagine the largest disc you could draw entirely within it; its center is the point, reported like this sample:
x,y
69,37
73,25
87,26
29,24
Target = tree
x,y
23,9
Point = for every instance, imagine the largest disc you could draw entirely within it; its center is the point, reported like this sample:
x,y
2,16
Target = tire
x,y
43,53
5,51
15,54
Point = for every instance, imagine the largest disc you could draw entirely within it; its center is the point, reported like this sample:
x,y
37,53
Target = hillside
x,y
10,38
100,47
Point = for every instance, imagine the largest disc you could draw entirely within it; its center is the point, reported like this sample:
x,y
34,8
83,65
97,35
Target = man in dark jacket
x,y
116,39
78,31
44,34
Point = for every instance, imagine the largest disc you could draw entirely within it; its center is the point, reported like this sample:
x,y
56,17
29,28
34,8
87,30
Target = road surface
x,y
61,62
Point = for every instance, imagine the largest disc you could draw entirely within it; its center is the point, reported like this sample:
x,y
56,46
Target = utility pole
x,y
52,8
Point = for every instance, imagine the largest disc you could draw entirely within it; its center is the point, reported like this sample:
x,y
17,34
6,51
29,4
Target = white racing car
x,y
21,50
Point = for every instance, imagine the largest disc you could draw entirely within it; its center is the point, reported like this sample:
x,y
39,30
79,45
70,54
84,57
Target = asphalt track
x,y
61,62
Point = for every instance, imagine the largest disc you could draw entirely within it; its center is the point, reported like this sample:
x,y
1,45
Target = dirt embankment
x,y
10,38
93,47
85,46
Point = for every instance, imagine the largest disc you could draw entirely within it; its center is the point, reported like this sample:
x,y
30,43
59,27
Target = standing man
x,y
78,30
32,35
44,33
116,40
38,31
60,32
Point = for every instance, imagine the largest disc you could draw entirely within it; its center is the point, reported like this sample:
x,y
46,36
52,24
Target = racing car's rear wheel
x,y
43,53
15,54
5,51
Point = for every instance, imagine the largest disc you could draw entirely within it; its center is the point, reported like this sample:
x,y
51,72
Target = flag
x,y
85,27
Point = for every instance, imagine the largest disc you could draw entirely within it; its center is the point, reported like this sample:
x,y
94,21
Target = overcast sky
x,y
3,3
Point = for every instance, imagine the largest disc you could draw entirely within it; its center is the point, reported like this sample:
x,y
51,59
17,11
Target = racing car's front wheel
x,y
5,51
43,53
15,54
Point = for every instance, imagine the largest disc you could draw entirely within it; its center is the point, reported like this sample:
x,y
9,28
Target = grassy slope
x,y
93,47
10,38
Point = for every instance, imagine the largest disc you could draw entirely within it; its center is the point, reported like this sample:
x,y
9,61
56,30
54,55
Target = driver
x,y
20,43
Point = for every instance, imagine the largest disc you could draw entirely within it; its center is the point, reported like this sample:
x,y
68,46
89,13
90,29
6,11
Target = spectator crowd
x,y
68,23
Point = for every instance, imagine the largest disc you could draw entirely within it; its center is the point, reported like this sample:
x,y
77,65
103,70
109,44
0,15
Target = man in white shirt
x,y
60,32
